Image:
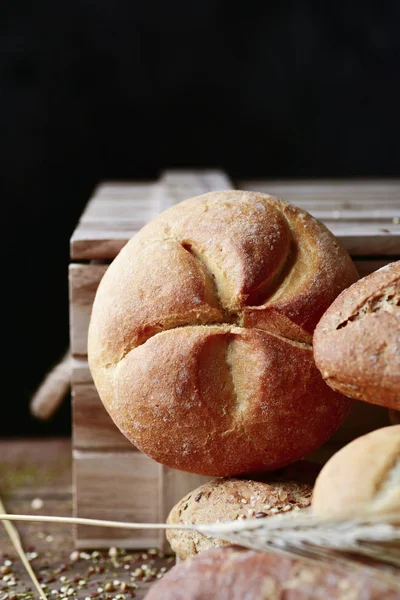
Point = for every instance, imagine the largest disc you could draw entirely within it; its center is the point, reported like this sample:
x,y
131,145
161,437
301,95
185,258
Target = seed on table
x,y
74,556
84,555
109,587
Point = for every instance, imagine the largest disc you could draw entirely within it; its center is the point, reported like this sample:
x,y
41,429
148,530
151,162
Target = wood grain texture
x,y
83,283
125,486
117,211
119,486
80,372
174,485
93,427
364,215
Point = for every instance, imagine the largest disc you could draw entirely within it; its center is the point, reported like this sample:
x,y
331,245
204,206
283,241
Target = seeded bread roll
x,y
233,573
357,341
230,499
362,476
200,335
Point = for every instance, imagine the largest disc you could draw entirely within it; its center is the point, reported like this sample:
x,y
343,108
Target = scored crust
x,y
357,341
200,337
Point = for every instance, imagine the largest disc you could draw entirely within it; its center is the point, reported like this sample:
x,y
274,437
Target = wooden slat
x,y
80,372
174,485
116,212
83,283
176,186
365,215
118,486
93,428
342,192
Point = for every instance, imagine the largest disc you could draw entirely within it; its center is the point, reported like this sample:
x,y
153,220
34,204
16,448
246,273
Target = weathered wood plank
x,y
93,428
121,486
366,211
80,372
342,192
116,212
83,283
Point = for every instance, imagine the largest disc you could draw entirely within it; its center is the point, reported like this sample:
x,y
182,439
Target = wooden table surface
x,y
35,477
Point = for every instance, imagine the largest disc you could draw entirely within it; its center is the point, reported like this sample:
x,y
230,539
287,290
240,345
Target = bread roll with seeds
x,y
231,499
364,476
200,334
357,341
233,573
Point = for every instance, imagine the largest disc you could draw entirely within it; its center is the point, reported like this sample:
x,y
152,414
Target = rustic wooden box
x,y
113,480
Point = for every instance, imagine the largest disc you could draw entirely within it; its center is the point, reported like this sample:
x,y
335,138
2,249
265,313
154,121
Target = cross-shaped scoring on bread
x,y
201,330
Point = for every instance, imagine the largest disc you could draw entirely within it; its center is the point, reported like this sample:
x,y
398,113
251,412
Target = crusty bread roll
x,y
201,329
233,573
357,341
364,476
230,499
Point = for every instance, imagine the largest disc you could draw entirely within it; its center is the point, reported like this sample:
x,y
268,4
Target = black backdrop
x,y
98,89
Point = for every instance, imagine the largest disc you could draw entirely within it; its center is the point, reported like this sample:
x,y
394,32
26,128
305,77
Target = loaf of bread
x,y
357,341
200,335
228,499
364,476
233,573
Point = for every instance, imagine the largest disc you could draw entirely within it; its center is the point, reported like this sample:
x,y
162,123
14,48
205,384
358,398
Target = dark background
x,y
101,89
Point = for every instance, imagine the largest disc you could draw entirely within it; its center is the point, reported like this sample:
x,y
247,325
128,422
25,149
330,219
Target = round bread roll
x,y
201,330
357,341
364,476
233,573
228,500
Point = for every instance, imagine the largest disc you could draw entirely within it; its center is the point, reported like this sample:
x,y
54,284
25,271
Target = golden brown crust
x,y
199,341
357,341
228,500
233,573
362,476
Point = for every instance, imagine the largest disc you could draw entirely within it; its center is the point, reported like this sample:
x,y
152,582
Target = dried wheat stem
x,y
16,541
93,522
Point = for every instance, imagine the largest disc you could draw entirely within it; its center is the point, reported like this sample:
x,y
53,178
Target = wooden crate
x,y
113,480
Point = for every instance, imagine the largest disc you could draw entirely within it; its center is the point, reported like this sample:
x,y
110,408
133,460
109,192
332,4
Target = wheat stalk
x,y
16,541
302,535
